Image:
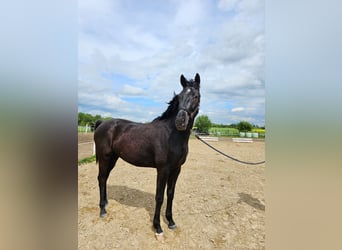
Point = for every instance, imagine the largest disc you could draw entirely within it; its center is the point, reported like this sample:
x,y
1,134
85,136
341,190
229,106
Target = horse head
x,y
188,102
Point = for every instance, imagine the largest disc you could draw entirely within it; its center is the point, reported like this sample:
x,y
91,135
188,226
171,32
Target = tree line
x,y
203,124
84,119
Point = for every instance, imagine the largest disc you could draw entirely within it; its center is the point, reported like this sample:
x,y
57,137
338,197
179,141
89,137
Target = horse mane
x,y
171,110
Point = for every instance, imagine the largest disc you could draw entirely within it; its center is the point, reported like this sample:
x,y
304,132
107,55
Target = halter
x,y
192,114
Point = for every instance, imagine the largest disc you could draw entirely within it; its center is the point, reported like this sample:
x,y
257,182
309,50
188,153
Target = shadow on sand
x,y
132,197
253,202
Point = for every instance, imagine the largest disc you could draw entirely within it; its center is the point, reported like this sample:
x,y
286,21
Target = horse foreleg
x,y
171,184
162,176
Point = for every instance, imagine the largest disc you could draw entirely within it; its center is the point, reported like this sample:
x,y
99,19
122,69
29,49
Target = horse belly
x,y
138,162
138,156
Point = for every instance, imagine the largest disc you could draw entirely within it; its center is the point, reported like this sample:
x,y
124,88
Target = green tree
x,y
80,118
244,126
203,123
84,119
97,117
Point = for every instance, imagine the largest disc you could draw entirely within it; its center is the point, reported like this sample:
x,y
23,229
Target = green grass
x,y
224,131
87,160
217,131
259,130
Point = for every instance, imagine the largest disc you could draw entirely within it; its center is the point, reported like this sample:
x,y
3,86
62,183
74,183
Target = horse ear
x,y
197,80
183,81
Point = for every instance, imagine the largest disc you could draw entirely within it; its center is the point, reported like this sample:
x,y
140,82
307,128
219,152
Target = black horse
x,y
160,144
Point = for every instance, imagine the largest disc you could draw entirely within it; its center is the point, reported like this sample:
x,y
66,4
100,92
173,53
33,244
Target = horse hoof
x,y
172,227
102,215
160,237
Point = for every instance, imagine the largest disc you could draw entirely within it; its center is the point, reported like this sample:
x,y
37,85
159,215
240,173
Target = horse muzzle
x,y
182,120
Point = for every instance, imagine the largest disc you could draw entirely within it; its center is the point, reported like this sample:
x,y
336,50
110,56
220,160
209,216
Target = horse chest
x,y
178,153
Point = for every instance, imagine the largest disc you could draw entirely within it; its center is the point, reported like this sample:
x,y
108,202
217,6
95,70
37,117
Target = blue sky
x,y
132,53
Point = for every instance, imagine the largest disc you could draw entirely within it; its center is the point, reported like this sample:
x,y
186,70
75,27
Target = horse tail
x,y
97,123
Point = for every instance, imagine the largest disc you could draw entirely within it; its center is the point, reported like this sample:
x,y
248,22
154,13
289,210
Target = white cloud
x,y
238,109
227,5
104,101
240,5
131,90
190,12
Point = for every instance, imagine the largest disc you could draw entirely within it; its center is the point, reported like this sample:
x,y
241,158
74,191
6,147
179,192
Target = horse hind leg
x,y
106,164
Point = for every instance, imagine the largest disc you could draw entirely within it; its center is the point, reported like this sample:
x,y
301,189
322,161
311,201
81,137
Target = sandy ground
x,y
85,145
218,204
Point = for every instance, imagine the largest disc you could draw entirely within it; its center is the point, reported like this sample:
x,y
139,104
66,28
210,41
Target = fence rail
x,y
91,142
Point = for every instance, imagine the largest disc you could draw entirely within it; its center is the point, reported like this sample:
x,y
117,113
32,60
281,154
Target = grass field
x,y
217,131
224,131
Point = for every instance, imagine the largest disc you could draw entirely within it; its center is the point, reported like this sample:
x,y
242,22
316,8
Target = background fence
x,y
233,132
85,129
